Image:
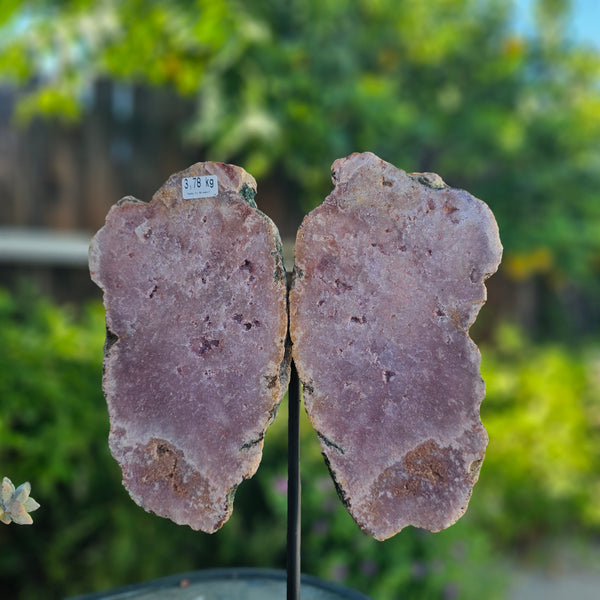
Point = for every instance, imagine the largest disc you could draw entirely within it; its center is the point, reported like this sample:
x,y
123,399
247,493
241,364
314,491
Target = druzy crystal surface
x,y
194,366
389,276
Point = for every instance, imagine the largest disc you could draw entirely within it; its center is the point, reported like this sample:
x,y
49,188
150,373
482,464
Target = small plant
x,y
16,504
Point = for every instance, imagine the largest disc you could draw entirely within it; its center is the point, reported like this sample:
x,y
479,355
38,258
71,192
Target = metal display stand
x,y
293,490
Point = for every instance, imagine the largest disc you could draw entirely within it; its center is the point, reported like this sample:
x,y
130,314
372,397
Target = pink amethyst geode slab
x,y
194,366
389,275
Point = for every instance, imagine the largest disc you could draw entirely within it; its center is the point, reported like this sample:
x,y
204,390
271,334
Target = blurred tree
x,y
284,88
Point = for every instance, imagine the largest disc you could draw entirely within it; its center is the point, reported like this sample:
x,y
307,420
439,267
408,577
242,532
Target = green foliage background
x,y
541,478
283,89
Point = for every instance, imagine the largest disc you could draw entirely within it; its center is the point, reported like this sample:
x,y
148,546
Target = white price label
x,y
203,186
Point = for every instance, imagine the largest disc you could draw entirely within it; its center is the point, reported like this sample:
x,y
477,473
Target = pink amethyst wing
x,y
389,274
195,365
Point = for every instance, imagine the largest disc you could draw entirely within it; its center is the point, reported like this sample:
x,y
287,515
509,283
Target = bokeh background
x,y
99,100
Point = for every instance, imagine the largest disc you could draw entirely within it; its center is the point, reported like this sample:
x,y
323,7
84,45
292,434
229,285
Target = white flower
x,y
15,504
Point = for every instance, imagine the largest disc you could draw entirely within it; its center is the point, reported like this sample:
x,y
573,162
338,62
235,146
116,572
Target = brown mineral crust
x,y
389,275
195,364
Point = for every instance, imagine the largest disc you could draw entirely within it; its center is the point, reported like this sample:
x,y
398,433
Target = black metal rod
x,y
293,490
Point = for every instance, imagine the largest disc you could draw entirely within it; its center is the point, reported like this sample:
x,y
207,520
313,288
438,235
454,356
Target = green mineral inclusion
x,y
248,193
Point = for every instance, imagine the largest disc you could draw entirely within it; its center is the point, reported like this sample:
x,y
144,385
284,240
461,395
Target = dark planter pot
x,y
227,584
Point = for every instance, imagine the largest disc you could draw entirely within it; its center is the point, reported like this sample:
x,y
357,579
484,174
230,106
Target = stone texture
x,y
194,367
389,275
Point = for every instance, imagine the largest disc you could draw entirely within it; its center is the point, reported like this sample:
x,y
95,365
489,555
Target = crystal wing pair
x,y
388,278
